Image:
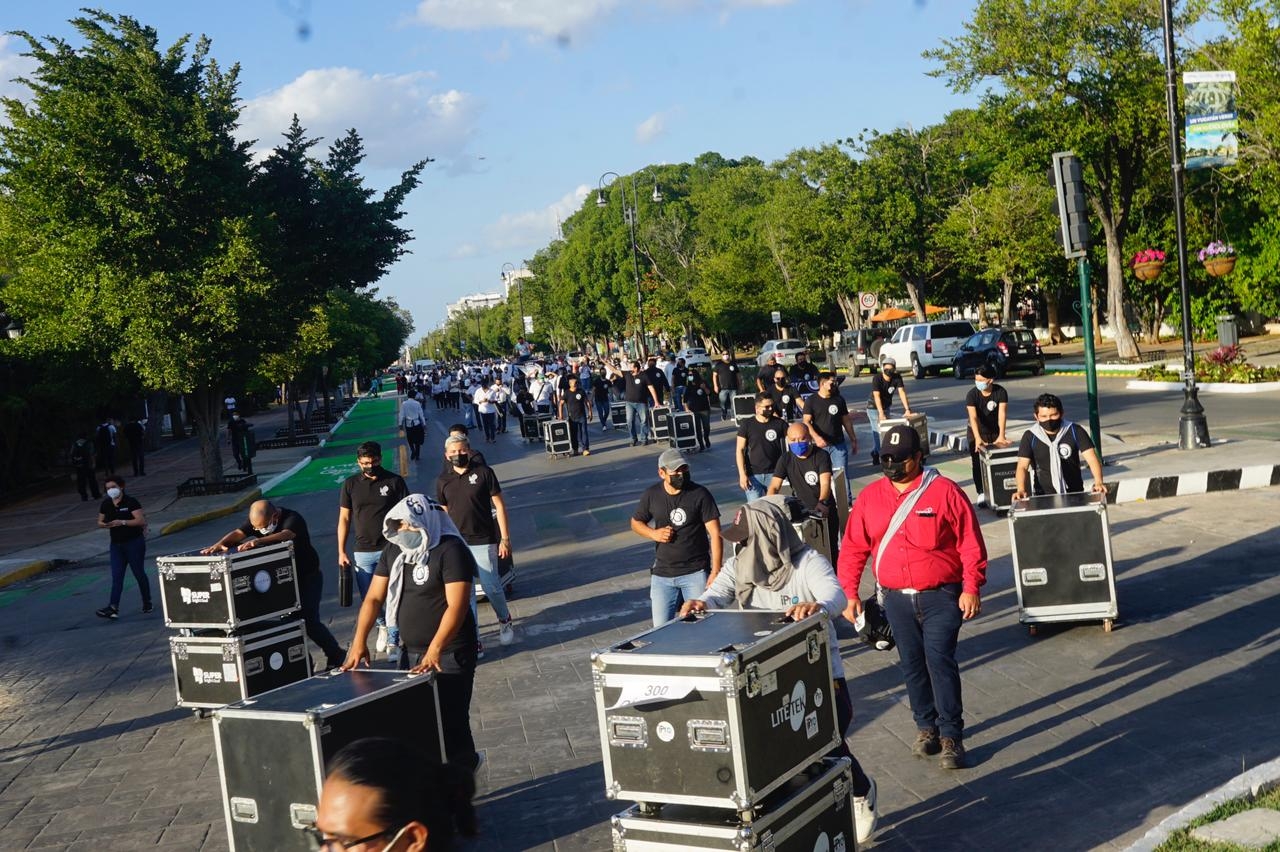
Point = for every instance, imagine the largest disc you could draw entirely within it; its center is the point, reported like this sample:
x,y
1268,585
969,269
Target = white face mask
x,y
114,493
982,385
267,530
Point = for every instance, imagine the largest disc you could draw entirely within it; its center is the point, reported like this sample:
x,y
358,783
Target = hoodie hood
x,y
419,512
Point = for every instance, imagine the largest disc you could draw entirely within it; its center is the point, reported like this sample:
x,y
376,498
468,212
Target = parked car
x,y
926,347
1003,349
860,348
694,356
784,350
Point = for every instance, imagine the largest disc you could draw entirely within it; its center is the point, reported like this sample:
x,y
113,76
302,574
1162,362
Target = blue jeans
x,y
129,554
757,485
873,417
726,403
365,561
578,431
926,627
637,422
602,412
667,593
677,398
487,564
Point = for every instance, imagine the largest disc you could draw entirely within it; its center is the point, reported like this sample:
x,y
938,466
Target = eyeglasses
x,y
321,843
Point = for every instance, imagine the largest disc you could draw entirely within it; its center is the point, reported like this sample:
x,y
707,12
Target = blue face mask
x,y
982,385
798,448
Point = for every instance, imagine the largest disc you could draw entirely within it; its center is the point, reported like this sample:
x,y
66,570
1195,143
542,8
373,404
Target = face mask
x,y
114,493
1052,425
460,460
982,385
267,530
895,470
798,448
677,480
407,539
888,371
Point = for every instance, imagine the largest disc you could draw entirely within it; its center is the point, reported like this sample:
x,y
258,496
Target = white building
x,y
514,278
474,301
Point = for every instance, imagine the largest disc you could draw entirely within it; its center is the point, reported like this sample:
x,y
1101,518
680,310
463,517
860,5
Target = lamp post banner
x,y
1212,124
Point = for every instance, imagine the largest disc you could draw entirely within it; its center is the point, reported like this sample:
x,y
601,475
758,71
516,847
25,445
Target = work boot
x,y
926,743
952,753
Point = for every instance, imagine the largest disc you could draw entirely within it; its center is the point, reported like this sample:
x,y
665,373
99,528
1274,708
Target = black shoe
x,y
875,458
635,443
952,753
147,607
108,612
926,743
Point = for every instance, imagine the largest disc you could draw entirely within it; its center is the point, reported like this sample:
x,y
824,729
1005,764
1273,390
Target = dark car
x,y
1003,349
860,348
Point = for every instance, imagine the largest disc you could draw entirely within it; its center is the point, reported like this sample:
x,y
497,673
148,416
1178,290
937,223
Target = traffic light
x,y
1067,179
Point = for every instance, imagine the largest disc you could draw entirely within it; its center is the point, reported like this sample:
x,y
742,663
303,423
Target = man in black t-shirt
x,y
807,468
364,499
470,492
698,400
827,416
802,370
600,397
271,524
637,393
785,398
683,521
884,385
758,446
679,383
725,381
424,577
987,406
1055,448
575,407
657,380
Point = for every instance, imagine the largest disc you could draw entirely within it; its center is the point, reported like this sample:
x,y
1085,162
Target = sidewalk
x,y
58,528
1262,351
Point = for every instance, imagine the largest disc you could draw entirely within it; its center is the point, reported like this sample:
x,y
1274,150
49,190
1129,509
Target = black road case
x,y
811,812
530,429
744,406
717,709
917,420
555,437
213,671
660,422
228,591
1062,559
272,749
618,415
999,476
814,532
684,432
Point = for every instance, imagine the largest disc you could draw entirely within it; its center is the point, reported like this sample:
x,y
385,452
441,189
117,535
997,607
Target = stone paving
x,y
1080,739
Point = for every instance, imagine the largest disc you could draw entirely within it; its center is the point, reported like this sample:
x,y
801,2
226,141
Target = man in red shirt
x,y
929,559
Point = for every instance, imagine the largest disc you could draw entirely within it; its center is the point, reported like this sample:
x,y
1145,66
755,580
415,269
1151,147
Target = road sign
x,y
868,301
777,317
528,325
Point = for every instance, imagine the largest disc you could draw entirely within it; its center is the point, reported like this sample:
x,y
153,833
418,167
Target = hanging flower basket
x,y
1148,264
1219,258
1149,270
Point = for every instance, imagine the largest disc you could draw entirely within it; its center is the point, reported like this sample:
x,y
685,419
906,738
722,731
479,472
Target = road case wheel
x,y
1108,624
1032,630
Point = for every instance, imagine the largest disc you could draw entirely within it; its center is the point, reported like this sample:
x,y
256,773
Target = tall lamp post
x,y
1193,427
630,214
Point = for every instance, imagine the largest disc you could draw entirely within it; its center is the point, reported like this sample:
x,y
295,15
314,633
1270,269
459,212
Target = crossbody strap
x,y
899,518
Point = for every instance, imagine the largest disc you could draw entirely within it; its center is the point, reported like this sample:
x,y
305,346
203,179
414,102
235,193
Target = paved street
x,y
1077,735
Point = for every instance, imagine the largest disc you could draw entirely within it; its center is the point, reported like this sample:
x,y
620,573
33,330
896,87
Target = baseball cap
x,y
671,461
899,443
888,359
736,531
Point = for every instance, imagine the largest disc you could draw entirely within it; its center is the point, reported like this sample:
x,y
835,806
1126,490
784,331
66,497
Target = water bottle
x,y
345,579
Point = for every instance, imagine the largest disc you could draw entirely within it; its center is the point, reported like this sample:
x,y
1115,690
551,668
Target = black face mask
x,y
895,470
460,460
677,480
1052,425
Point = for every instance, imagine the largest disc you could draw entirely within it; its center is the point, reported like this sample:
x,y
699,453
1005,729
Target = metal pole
x,y
1090,368
635,261
1193,427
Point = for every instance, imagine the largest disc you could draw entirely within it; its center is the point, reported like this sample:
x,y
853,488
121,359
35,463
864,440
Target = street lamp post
x,y
630,214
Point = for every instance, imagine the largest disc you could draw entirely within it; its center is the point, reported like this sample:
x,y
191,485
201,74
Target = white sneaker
x,y
506,632
393,654
864,814
380,642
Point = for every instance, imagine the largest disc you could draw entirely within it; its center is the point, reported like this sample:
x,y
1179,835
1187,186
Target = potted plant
x,y
1148,264
1218,258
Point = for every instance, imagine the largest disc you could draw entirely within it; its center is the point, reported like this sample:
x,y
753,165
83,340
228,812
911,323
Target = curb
x,y
1252,784
1207,387
29,570
212,514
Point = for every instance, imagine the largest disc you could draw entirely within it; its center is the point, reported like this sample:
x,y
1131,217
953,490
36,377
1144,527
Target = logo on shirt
x,y
678,517
473,478
833,409
811,477
420,574
771,435
637,381
991,405
786,398
1064,450
384,490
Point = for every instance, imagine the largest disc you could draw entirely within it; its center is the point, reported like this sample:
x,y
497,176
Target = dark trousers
x,y
87,483
415,435
578,434
603,413
129,554
975,465
702,427
926,627
844,718
454,682
107,460
310,591
502,416
490,423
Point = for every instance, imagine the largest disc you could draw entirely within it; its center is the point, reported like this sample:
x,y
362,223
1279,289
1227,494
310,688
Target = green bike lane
x,y
368,420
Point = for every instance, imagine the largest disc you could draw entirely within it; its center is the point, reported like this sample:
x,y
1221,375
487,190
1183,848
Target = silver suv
x,y
926,347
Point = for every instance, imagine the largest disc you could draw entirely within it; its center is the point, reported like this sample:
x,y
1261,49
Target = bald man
x,y
271,524
807,467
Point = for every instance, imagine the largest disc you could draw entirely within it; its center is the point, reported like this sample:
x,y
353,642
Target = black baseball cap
x,y
899,443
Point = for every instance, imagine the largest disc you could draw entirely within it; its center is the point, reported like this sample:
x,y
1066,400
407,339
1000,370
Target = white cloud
x,y
534,227
651,128
12,64
462,251
401,117
547,17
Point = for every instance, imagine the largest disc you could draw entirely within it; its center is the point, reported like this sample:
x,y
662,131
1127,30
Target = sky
x,y
524,104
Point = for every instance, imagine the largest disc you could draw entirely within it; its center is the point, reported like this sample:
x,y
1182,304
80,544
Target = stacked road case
x,y
684,431
660,422
556,438
236,617
999,476
618,415
723,714
744,407
272,749
1062,560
